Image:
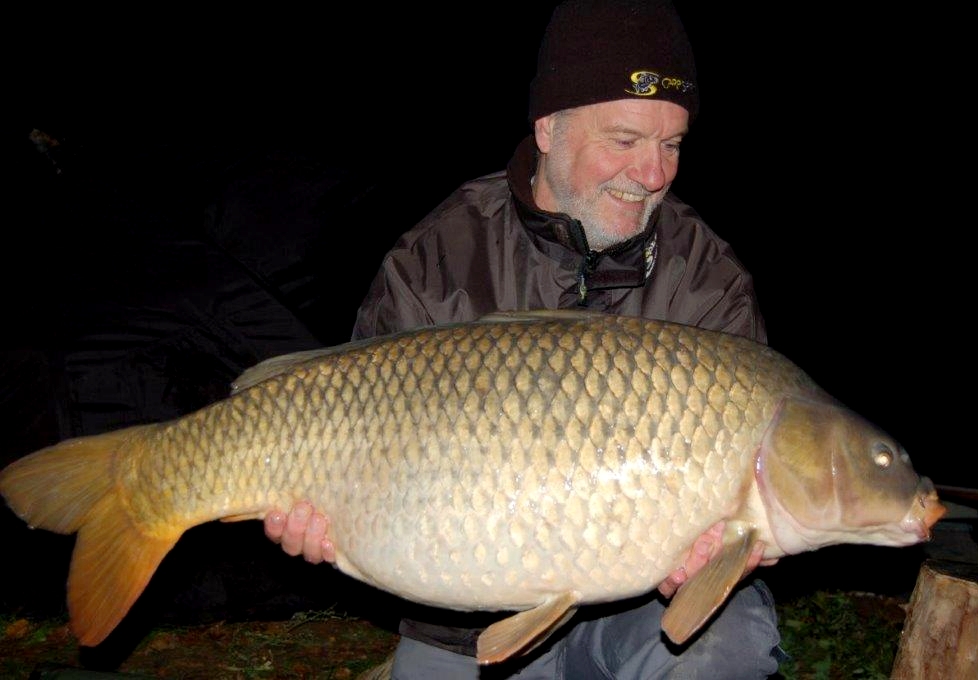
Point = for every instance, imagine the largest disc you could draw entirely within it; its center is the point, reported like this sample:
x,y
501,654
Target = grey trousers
x,y
740,643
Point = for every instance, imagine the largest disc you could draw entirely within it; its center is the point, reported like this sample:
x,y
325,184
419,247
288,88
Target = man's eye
x,y
671,147
623,143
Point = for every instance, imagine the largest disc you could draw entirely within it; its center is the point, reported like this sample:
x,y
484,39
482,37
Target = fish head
x,y
827,476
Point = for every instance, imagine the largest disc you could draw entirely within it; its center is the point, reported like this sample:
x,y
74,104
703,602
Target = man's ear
x,y
543,130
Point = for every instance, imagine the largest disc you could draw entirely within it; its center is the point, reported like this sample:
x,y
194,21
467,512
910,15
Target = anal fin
x,y
526,630
703,594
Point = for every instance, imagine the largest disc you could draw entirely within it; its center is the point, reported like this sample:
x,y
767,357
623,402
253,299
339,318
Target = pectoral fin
x,y
524,631
699,597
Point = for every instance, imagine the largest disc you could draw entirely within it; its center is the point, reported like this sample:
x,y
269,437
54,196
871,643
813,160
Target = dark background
x,y
225,186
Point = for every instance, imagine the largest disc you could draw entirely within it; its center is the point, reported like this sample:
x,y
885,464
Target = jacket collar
x,y
626,265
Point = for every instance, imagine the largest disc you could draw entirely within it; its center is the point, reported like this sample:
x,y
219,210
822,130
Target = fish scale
x,y
529,462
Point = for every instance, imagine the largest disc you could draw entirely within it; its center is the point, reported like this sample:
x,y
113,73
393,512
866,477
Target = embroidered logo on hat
x,y
646,84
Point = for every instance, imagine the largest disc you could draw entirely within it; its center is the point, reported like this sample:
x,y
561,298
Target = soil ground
x,y
318,645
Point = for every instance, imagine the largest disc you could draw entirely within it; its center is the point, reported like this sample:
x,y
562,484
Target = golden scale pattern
x,y
456,460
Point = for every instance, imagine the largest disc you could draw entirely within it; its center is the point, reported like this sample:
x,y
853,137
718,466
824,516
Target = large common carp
x,y
529,462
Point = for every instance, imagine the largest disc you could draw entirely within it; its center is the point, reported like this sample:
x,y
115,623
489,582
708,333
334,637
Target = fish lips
x,y
925,512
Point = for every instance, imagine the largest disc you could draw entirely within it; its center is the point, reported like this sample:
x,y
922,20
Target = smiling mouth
x,y
627,196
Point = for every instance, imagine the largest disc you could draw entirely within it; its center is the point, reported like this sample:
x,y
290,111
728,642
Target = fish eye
x,y
883,457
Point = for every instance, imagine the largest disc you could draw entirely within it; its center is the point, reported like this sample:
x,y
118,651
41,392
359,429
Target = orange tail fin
x,y
70,487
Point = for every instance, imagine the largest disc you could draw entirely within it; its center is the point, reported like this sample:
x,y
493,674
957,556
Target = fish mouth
x,y
925,511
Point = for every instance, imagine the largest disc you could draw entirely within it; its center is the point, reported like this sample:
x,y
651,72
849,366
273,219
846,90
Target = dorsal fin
x,y
269,368
541,315
274,366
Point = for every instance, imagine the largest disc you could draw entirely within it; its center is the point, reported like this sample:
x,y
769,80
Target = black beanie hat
x,y
602,50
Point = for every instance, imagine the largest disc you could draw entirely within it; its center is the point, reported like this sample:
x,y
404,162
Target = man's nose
x,y
647,170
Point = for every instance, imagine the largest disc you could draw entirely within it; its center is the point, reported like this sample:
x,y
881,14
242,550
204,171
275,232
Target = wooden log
x,y
940,636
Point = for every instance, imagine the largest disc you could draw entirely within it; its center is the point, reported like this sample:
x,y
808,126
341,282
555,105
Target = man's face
x,y
609,165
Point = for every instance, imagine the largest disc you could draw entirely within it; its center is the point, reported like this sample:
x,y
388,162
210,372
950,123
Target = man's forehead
x,y
634,115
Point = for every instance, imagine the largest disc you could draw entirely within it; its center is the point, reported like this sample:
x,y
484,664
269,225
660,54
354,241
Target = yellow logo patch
x,y
648,83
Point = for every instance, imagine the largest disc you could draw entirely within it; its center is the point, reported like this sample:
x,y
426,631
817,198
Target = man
x,y
582,217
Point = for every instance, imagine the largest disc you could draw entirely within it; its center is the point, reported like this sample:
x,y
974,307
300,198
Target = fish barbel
x,y
528,462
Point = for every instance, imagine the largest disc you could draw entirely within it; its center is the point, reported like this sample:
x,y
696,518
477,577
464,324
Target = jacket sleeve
x,y
736,310
705,283
392,302
427,277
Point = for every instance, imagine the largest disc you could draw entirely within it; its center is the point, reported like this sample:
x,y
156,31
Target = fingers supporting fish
x,y
275,525
289,530
706,546
316,546
672,582
704,549
302,531
696,602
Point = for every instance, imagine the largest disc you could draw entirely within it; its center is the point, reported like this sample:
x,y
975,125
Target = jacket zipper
x,y
588,264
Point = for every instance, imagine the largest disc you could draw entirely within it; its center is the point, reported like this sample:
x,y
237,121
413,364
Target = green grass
x,y
833,635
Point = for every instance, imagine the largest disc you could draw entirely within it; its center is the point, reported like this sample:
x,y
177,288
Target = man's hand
x,y
303,531
704,549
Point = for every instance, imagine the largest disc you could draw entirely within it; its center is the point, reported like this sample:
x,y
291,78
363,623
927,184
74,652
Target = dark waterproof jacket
x,y
487,247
